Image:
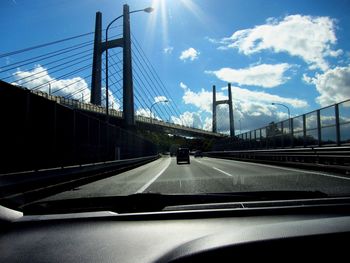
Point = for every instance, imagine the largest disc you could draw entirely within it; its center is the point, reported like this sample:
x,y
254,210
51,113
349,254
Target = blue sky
x,y
292,52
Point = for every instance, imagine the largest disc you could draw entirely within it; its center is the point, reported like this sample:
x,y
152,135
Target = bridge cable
x,y
150,85
144,104
50,43
63,76
156,77
143,86
163,92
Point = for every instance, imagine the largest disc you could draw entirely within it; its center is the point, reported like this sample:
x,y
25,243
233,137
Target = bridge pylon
x,y
99,48
230,107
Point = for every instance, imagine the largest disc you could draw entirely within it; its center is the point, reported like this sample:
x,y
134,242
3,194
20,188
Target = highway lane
x,y
220,175
209,175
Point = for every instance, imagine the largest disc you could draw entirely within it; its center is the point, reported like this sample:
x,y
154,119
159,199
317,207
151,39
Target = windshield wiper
x,y
151,202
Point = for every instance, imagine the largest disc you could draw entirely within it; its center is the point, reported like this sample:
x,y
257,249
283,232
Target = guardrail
x,y
73,103
27,186
327,126
335,159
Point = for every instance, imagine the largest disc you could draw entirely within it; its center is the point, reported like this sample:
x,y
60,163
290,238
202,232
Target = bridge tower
x,y
230,107
99,48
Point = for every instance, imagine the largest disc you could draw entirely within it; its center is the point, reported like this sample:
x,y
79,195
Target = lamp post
x,y
125,13
240,127
274,103
49,88
150,110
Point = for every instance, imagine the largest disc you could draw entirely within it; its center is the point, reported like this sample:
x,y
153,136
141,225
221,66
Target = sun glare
x,y
194,9
159,18
163,12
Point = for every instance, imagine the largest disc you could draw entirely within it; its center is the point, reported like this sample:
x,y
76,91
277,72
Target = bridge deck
x,y
119,114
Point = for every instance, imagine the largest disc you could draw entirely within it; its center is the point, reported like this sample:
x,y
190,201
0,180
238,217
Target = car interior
x,y
270,230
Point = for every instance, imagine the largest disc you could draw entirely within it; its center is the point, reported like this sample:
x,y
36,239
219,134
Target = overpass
x,y
148,123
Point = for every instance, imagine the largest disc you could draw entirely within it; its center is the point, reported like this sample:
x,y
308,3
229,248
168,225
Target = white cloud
x,y
183,85
147,113
245,95
264,75
208,124
333,85
190,119
252,107
39,79
213,40
74,88
202,99
113,102
144,112
307,37
160,98
190,54
168,50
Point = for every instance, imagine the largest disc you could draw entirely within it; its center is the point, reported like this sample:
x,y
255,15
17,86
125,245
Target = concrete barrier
x,y
25,183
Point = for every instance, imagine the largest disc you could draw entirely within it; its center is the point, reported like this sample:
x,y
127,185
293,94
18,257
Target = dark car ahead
x,y
183,155
198,154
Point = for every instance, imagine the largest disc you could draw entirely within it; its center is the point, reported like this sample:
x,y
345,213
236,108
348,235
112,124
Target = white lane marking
x,y
143,188
215,168
293,170
236,178
222,171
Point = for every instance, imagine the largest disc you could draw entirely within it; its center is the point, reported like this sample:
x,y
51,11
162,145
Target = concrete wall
x,y
37,133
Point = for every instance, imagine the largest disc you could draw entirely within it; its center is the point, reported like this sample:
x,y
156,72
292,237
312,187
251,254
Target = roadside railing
x,y
73,103
335,159
29,185
326,127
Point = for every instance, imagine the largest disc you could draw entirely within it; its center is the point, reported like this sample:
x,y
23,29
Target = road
x,y
209,175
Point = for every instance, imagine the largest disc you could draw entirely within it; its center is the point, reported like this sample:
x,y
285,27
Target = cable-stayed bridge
x,y
88,98
73,72
83,100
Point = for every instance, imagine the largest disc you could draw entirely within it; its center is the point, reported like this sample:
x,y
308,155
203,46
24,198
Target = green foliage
x,y
170,143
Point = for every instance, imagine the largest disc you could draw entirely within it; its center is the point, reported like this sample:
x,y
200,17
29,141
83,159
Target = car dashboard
x,y
257,230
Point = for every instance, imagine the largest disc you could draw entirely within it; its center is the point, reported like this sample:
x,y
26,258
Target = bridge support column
x,y
230,107
99,48
128,90
214,110
95,95
229,102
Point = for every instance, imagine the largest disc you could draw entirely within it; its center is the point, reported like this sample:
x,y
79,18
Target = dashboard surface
x,y
187,236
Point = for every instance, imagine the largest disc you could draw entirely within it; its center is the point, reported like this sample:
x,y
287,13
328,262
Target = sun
x,y
164,10
160,17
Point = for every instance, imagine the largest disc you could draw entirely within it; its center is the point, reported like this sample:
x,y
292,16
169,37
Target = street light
x,y
147,10
274,103
150,111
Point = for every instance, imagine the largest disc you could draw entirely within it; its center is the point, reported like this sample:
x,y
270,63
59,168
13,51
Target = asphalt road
x,y
209,175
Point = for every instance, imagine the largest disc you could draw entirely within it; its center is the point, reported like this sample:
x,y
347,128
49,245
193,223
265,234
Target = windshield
x,y
190,97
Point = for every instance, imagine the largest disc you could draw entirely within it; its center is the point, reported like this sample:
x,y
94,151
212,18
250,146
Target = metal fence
x,y
328,126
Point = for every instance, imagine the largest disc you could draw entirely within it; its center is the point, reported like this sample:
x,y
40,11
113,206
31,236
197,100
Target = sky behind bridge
x,y
292,52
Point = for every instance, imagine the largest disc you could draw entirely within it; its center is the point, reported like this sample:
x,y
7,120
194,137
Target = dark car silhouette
x,y
198,154
183,155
